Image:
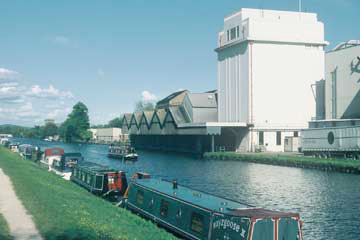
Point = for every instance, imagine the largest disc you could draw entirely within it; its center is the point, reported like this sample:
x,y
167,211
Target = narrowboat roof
x,y
195,197
96,168
54,152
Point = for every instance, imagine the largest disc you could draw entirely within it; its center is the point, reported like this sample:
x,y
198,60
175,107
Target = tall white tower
x,y
267,62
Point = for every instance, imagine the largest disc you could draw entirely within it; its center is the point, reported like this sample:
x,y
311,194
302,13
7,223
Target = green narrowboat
x,y
197,215
100,180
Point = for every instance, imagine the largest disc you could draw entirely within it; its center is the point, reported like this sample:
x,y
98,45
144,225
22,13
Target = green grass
x,y
4,230
341,165
63,210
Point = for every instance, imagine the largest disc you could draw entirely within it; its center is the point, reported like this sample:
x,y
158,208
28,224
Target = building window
x,y
333,93
237,31
278,138
261,138
296,134
164,208
233,33
139,197
228,35
197,224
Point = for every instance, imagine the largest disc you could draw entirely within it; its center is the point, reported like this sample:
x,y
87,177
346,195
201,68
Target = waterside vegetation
x,y
63,210
333,164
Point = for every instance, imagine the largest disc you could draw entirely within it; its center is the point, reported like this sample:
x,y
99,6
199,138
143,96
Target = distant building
x,y
267,62
183,122
108,135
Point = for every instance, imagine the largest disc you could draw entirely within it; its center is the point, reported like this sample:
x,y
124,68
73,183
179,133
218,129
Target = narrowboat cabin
x,y
26,151
100,180
197,215
4,142
50,155
122,152
14,147
64,166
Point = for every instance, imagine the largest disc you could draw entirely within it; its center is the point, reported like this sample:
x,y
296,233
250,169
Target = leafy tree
x,y
141,106
115,123
50,129
75,127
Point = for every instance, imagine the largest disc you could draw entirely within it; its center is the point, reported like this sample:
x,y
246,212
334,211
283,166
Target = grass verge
x,y
4,230
340,165
63,210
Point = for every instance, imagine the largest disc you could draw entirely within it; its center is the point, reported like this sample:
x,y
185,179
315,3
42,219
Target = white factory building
x,y
267,62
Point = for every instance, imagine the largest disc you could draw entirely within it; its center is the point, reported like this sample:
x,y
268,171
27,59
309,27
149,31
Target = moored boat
x,y
122,152
27,150
51,154
65,164
4,142
197,215
14,147
100,180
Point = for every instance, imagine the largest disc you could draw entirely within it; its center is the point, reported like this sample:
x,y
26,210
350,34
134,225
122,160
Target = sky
x,y
110,54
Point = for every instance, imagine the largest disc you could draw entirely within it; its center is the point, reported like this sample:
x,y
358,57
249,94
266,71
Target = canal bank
x,y
299,161
4,230
63,210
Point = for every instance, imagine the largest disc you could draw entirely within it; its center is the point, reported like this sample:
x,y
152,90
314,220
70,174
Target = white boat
x,y
50,155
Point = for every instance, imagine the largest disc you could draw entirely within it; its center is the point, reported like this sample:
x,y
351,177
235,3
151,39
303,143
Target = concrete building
x,y
267,62
342,86
108,135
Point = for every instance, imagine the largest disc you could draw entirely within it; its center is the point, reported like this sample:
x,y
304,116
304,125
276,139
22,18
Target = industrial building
x,y
336,129
267,62
338,96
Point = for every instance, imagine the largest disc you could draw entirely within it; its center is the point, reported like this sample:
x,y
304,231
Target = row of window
x,y
196,221
278,137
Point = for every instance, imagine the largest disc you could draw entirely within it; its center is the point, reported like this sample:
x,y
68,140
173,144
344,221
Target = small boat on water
x,y
123,152
50,155
194,214
100,180
65,164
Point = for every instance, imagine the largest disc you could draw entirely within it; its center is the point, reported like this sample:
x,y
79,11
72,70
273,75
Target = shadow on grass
x,y
5,237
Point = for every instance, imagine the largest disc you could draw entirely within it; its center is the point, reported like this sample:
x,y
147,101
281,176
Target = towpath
x,y
20,223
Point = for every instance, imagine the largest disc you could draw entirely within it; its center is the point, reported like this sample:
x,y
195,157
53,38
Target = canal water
x,y
328,202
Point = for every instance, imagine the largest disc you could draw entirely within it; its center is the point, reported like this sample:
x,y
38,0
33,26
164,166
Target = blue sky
x,y
110,54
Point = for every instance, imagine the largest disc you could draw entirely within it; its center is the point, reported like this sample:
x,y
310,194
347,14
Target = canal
x,y
328,202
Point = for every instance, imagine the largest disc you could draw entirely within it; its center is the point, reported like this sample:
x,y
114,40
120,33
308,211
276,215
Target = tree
x,y
75,127
50,129
142,106
116,122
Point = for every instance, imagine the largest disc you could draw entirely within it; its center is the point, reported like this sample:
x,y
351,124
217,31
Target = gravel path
x,y
20,223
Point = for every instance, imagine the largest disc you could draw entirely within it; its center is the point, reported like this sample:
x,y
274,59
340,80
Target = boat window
x,y
197,222
139,197
164,208
99,182
151,204
178,213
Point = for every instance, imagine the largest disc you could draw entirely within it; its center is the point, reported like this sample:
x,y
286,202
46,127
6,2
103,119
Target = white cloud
x,y
62,40
58,113
148,96
50,92
8,74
